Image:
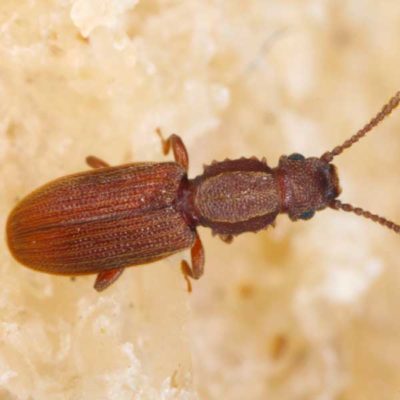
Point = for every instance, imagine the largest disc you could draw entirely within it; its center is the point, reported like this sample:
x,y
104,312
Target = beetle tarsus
x,y
187,273
96,162
197,268
178,148
105,278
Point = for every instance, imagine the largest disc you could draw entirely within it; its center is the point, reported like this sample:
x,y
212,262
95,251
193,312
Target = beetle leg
x,y
105,278
178,148
95,162
197,269
226,238
187,272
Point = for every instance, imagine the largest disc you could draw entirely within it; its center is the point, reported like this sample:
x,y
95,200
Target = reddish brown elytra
x,y
102,221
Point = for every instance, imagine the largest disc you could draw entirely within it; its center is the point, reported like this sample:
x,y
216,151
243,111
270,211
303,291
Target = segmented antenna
x,y
385,111
338,205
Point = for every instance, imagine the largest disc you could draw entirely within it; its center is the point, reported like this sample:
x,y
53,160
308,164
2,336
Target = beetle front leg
x,y
197,268
178,148
95,162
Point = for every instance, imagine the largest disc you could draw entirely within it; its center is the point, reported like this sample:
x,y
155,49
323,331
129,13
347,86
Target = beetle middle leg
x,y
197,268
96,162
178,148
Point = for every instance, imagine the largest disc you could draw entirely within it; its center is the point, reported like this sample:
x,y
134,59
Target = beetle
x,y
104,220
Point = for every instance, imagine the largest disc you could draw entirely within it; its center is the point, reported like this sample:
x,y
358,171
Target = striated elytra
x,y
102,221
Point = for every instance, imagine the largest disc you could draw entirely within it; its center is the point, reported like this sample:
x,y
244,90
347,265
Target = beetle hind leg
x,y
105,278
197,268
96,162
226,238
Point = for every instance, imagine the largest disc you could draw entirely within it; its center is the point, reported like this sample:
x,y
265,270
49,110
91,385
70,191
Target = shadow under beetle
x,y
105,220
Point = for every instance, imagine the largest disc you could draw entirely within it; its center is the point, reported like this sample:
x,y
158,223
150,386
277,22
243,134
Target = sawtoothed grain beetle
x,y
102,221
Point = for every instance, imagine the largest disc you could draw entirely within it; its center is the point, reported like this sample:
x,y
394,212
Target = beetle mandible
x,y
102,221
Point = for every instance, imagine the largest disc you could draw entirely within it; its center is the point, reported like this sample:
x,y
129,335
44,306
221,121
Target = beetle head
x,y
307,184
311,184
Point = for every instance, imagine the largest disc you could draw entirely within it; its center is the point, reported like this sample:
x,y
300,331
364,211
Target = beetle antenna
x,y
338,205
385,111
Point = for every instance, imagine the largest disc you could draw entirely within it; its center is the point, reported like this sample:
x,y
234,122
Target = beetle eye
x,y
307,215
296,157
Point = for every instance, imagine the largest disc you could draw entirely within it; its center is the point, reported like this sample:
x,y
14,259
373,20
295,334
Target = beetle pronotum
x,y
105,220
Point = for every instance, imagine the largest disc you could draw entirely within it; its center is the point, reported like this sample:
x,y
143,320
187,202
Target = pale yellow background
x,y
305,311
